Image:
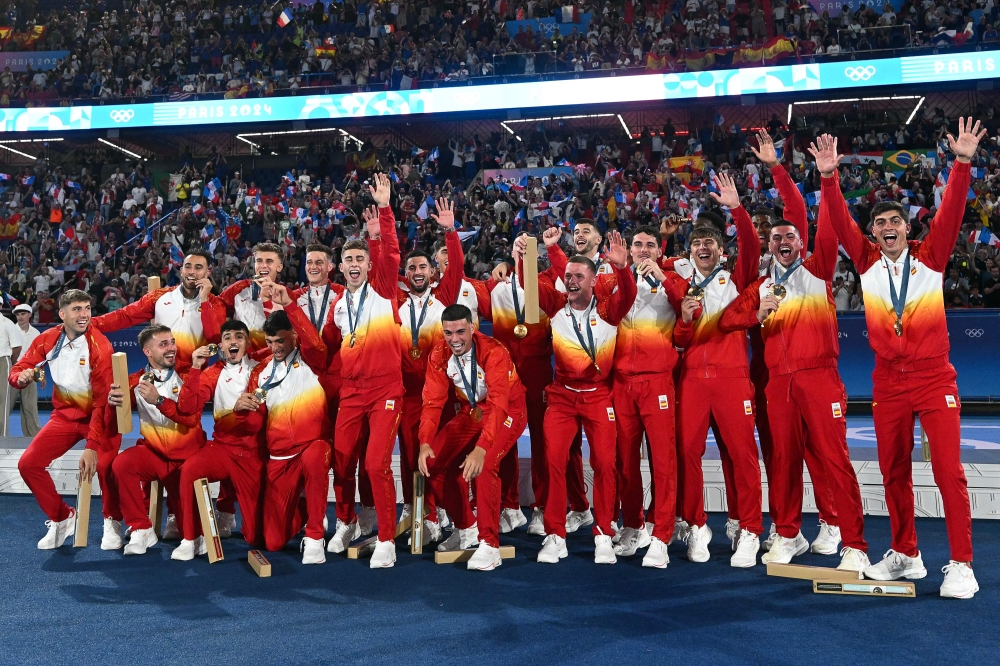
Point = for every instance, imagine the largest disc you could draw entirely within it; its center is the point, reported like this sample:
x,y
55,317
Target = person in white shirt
x,y
29,394
10,348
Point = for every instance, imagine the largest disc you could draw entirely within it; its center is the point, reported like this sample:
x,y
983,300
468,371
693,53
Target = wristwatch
x,y
159,400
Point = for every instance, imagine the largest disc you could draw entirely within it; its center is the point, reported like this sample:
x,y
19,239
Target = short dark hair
x,y
267,247
587,220
153,329
355,245
706,231
278,321
649,230
349,221
884,206
707,217
74,296
234,325
200,253
456,312
586,261
319,247
416,254
764,210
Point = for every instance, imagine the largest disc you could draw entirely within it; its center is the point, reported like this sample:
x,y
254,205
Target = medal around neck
x,y
521,331
694,291
260,394
779,291
415,353
149,376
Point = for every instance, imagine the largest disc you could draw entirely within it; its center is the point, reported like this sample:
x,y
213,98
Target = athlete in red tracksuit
x,y
715,384
804,391
237,452
373,381
78,360
167,437
420,309
473,443
584,330
250,301
297,432
828,540
907,330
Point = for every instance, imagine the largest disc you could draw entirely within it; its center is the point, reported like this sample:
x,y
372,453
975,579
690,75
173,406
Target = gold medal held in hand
x,y
213,349
779,291
414,353
149,376
520,330
696,292
476,414
39,375
260,394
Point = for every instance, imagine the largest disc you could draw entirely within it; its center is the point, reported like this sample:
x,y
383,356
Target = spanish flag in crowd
x,y
769,53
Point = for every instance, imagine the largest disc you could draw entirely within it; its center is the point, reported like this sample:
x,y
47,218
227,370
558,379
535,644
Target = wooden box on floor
x,y
805,572
259,564
361,549
867,588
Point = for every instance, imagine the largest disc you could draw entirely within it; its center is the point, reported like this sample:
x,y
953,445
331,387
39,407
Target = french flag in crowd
x,y
4,176
813,198
779,149
942,178
13,302
395,178
612,173
985,237
71,184
772,193
564,162
978,172
28,180
35,198
284,18
176,256
916,212
435,154
197,209
146,240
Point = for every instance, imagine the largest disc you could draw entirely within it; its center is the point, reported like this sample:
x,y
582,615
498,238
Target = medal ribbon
x,y
318,322
650,281
269,383
61,342
470,390
791,269
518,310
704,283
156,379
591,350
899,300
414,324
352,321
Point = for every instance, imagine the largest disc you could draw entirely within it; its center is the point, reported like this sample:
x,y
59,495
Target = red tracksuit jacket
x,y
223,383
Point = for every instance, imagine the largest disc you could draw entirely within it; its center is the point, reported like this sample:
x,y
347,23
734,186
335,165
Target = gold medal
x,y
260,394
414,353
476,414
149,377
898,327
694,291
597,367
354,338
213,349
39,375
520,330
779,291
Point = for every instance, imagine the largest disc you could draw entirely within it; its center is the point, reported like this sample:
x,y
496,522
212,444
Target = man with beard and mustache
x,y
794,305
904,309
166,436
234,453
828,539
584,330
491,417
78,358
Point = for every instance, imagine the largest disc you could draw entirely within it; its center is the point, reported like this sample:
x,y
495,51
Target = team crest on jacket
x,y
83,361
663,402
748,408
509,422
176,390
837,411
950,401
611,413
390,405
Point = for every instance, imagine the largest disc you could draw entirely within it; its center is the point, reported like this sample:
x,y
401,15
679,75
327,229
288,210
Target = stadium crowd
x,y
69,225
140,49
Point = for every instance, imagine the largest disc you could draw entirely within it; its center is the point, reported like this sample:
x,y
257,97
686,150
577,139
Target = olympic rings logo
x,y
859,73
120,116
975,332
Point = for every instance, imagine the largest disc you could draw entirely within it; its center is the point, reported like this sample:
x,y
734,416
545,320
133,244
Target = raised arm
x,y
746,235
946,224
386,271
134,314
833,209
198,388
620,301
823,262
795,207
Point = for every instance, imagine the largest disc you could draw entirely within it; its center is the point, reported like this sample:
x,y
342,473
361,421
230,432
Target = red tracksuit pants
x,y
536,375
134,469
646,403
409,449
308,474
729,402
822,489
453,443
812,400
566,412
55,438
242,470
380,403
933,396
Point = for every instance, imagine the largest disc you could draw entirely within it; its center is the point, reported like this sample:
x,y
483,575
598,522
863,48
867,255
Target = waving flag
x,y
564,162
771,193
917,212
985,237
4,176
147,239
13,302
435,154
942,178
422,211
28,180
73,185
284,18
813,198
779,149
176,256
35,198
978,172
197,209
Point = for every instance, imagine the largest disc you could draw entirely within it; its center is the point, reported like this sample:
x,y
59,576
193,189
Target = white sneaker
x,y
553,549
895,566
604,550
656,556
537,525
226,522
511,519
171,531
140,540
407,513
384,555
58,532
959,581
747,547
827,541
188,549
343,537
771,533
733,531
486,558
852,559
631,540
443,520
577,519
461,539
783,550
367,520
112,539
698,539
312,551
680,530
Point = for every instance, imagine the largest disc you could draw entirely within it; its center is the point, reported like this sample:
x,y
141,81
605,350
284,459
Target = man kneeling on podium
x,y
471,445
